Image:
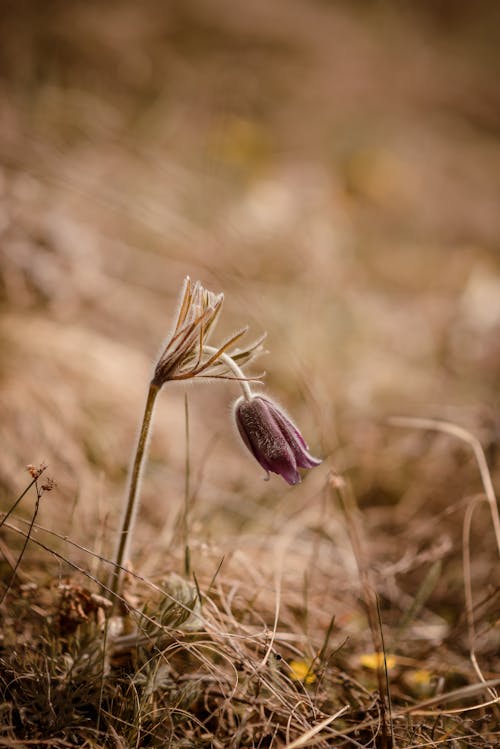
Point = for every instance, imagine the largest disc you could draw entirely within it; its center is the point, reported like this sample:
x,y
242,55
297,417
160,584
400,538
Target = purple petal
x,y
264,438
288,472
306,460
293,437
248,442
286,425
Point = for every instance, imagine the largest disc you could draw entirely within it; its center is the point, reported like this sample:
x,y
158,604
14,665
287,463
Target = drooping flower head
x,y
272,438
186,353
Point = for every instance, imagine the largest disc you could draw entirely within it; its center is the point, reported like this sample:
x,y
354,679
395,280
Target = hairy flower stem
x,y
243,381
187,476
132,504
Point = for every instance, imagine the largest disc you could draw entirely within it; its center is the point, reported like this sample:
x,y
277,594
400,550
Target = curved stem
x,y
132,503
242,380
457,431
39,493
131,507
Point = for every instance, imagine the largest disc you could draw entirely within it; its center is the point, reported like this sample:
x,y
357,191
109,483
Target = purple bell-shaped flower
x,y
272,438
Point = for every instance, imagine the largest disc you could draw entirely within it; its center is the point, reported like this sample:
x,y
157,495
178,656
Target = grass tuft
x,y
214,662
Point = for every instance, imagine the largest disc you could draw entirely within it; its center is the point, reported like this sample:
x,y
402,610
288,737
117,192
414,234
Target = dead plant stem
x,y
39,493
356,537
455,430
18,500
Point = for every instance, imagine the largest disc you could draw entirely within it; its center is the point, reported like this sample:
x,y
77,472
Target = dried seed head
x,y
185,356
36,471
48,485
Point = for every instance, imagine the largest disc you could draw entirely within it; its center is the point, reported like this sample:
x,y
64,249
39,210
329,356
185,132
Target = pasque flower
x,y
270,435
272,438
185,355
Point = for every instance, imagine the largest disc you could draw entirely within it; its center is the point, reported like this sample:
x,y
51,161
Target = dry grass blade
x,y
452,696
469,603
355,530
460,433
105,588
421,707
305,739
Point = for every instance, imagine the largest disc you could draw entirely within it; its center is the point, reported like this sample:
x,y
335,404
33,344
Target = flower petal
x,y
265,440
294,438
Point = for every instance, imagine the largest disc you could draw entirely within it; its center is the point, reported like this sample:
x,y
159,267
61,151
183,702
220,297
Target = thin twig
x,y
469,604
39,493
355,531
459,432
23,494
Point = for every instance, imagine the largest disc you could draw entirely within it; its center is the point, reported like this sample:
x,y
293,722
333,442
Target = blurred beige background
x,y
333,167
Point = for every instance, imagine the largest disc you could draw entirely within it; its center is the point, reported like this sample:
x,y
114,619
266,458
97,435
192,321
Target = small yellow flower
x,y
374,661
420,681
421,676
302,671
